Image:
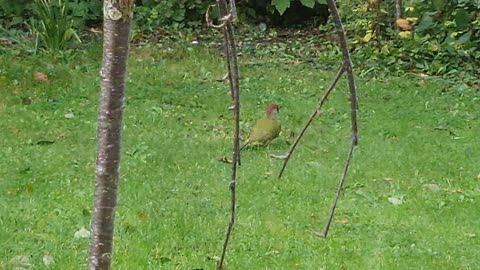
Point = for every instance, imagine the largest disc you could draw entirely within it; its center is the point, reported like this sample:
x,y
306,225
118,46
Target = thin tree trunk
x,y
117,21
234,77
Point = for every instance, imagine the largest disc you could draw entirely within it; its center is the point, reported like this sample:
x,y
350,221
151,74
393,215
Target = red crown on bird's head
x,y
271,109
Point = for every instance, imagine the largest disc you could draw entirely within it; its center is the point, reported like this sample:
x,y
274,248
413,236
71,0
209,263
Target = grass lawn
x,y
411,199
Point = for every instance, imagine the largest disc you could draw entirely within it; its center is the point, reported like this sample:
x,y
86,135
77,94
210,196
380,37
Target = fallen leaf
x,y
48,260
224,160
405,34
39,76
82,233
458,190
421,82
367,37
432,187
403,23
341,221
412,19
471,235
272,252
20,261
97,30
141,215
398,200
214,258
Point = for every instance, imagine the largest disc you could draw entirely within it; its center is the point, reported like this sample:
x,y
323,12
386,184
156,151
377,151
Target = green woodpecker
x,y
266,129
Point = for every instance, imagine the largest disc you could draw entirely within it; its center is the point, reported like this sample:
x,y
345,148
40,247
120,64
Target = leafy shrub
x,y
12,12
152,14
443,40
83,12
52,25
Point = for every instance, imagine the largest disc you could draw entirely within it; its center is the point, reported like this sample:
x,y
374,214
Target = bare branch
x,y
233,10
234,78
228,56
226,76
208,20
347,65
322,100
224,19
339,189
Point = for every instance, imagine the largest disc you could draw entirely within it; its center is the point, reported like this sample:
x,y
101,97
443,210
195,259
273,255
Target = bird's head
x,y
272,110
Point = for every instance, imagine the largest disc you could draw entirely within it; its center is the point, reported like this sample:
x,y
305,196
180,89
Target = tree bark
x,y
117,21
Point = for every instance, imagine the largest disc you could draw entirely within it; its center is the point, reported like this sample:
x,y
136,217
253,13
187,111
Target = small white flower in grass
x,y
48,260
82,233
69,115
396,200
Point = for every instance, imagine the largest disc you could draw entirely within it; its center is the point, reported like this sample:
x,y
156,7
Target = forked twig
x,y
346,66
227,52
315,112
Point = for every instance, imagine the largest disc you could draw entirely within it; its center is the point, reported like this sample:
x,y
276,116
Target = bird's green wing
x,y
264,131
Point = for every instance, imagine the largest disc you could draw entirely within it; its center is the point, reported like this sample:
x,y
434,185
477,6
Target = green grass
x,y
173,201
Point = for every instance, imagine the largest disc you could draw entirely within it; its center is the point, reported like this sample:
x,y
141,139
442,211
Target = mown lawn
x,y
411,199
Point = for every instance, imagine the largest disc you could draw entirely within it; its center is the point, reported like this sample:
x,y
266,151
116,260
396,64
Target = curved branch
x,y
322,100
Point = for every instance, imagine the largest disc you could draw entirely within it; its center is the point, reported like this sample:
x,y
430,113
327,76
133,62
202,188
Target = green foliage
x,y
12,12
82,12
444,38
16,42
52,24
282,5
153,14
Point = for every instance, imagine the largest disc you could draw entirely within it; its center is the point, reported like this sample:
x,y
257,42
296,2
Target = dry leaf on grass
x,y
39,76
341,221
403,24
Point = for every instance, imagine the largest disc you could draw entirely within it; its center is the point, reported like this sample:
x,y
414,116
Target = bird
x,y
266,128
